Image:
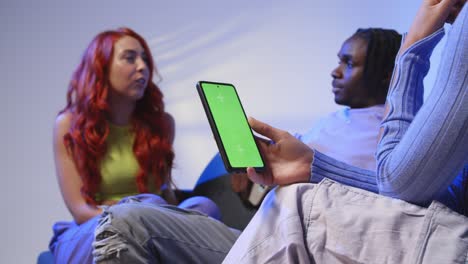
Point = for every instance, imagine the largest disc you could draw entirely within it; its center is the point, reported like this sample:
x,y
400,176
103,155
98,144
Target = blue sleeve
x,y
327,167
424,146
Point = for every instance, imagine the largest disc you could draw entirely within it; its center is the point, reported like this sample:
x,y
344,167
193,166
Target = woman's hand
x,y
430,17
109,202
288,160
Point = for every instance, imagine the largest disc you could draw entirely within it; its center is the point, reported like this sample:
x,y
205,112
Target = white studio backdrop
x,y
279,55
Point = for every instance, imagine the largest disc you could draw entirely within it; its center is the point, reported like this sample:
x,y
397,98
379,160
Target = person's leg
x,y
144,233
334,223
147,198
276,232
202,204
72,242
350,225
443,237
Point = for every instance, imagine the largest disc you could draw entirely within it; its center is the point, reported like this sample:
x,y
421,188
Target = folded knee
x,y
108,242
202,204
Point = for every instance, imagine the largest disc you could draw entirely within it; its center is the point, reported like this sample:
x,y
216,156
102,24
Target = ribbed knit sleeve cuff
x,y
327,167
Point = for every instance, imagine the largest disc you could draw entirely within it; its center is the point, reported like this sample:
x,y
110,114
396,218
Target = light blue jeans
x,y
140,233
72,243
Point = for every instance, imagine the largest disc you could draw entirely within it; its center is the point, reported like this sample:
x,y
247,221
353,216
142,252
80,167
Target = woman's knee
x,y
203,205
120,228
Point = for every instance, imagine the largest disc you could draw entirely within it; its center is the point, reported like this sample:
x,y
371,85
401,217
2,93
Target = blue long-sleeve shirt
x,y
424,146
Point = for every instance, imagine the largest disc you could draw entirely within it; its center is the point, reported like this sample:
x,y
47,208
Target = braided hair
x,y
382,48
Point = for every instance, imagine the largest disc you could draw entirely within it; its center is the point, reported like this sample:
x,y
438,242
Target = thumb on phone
x,y
265,129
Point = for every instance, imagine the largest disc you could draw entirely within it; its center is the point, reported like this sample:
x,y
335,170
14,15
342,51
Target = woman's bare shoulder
x,y
63,123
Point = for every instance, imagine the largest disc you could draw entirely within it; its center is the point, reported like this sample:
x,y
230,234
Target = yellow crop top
x,y
119,166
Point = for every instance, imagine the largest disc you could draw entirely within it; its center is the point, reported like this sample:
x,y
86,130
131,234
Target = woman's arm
x,y
67,174
170,126
168,193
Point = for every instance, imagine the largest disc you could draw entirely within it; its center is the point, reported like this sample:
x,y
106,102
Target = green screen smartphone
x,y
231,130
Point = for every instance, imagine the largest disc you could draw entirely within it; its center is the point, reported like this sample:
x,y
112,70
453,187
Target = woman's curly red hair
x,y
87,103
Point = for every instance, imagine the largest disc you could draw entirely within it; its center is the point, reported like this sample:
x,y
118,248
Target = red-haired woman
x,y
112,141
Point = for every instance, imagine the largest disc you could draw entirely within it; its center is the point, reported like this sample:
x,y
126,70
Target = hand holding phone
x,y
230,128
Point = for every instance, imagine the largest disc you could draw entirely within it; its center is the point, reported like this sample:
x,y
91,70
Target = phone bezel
x,y
216,134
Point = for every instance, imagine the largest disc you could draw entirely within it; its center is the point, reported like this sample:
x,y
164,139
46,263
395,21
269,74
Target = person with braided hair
x,y
413,209
360,83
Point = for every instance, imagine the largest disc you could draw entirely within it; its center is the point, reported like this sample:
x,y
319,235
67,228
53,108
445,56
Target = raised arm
x,y
423,146
168,192
416,162
67,174
430,17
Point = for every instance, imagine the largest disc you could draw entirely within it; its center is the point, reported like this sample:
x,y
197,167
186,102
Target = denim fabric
x,y
72,243
334,223
202,204
142,233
